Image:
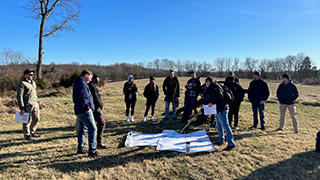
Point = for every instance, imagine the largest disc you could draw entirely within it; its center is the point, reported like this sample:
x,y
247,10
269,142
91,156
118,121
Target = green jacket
x,y
26,94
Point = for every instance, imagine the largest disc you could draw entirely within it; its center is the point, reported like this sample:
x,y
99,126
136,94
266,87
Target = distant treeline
x,y
300,67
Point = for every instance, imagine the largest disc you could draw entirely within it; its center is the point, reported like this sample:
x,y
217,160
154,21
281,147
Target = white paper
x,y
170,140
145,139
208,111
199,142
23,119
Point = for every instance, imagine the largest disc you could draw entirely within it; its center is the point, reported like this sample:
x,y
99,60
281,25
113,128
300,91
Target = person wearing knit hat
x,y
151,93
258,93
130,97
287,93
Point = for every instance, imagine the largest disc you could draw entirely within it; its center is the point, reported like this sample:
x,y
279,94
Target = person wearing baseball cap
x,y
287,93
28,103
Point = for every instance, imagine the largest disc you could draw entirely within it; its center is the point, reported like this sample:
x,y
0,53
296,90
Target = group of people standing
x,y
88,105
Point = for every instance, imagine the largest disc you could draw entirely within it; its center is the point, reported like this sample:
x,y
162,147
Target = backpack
x,y
227,94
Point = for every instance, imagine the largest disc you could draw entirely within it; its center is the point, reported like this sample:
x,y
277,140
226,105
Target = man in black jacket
x,y
258,93
238,94
171,90
97,113
193,88
287,93
214,95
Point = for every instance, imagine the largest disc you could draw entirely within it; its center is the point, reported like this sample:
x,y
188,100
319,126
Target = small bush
x,y
42,83
67,80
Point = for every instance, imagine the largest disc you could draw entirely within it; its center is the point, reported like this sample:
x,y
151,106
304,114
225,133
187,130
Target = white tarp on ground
x,y
170,140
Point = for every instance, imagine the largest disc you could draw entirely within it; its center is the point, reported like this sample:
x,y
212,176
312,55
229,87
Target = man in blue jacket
x,y
258,93
83,108
287,93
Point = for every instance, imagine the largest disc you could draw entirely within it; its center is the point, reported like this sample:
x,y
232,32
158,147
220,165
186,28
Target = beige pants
x,y
31,127
292,110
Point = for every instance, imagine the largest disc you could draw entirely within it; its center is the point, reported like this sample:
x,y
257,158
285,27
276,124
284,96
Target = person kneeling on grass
x,y
214,95
151,92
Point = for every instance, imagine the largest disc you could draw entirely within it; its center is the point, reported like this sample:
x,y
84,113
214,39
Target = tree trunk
x,y
39,64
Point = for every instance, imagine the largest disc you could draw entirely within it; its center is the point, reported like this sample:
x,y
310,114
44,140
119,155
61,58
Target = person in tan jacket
x,y
28,102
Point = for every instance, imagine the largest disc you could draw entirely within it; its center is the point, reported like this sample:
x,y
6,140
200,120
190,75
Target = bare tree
x,y
235,66
58,14
219,65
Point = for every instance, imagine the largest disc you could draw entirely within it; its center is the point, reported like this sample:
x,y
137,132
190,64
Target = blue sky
x,y
115,31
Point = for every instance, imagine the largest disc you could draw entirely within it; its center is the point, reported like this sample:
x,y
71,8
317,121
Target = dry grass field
x,y
258,155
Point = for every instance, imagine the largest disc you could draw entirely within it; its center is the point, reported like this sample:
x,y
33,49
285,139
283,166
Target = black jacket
x,y
258,91
214,94
96,95
150,93
171,88
287,93
196,86
130,89
237,91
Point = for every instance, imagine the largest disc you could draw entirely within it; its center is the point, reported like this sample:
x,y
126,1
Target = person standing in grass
x,y
83,108
214,95
171,90
28,102
129,90
151,93
97,113
232,83
258,93
193,88
287,93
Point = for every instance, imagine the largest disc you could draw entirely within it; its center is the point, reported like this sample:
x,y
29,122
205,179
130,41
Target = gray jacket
x,y
26,94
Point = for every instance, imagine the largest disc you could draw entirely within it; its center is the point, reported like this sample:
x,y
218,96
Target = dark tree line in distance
x,y
300,67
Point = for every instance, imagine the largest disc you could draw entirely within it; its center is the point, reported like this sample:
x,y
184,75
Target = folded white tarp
x,y
170,140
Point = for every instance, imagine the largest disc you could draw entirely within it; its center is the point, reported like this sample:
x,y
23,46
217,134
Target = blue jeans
x,y
255,107
86,121
189,102
223,124
173,110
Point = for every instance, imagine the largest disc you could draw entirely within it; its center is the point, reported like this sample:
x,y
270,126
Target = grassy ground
x,y
258,155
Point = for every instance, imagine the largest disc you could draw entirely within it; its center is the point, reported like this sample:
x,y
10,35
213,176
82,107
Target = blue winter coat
x,y
82,97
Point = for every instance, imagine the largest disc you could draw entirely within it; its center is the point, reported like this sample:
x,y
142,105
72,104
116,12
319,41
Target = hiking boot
x,y
253,127
229,148
35,135
94,155
29,138
101,146
82,151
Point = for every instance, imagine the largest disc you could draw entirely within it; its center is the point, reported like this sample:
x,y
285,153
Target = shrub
x,y
67,80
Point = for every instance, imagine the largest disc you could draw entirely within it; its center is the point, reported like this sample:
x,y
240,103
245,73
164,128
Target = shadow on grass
x,y
39,130
300,166
113,160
